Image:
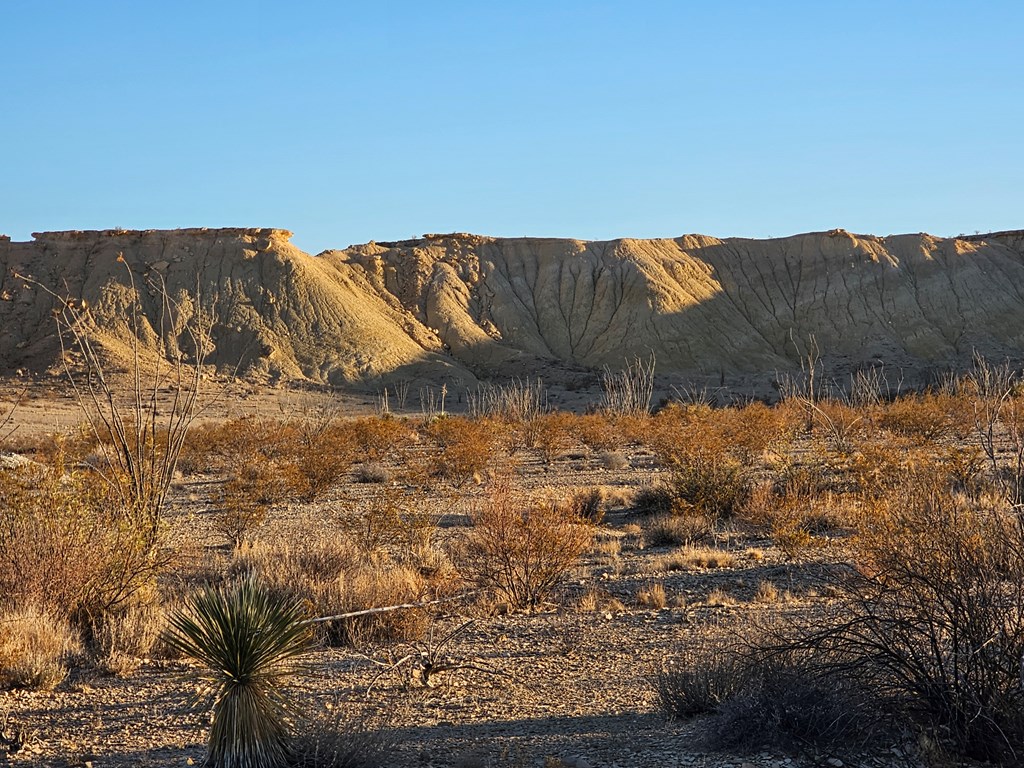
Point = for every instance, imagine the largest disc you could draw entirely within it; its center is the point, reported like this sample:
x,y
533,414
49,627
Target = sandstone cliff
x,y
458,306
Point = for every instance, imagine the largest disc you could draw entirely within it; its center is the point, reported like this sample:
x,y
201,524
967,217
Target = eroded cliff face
x,y
458,306
703,304
267,308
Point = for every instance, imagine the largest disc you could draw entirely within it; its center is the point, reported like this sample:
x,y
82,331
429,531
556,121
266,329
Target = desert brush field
x,y
189,574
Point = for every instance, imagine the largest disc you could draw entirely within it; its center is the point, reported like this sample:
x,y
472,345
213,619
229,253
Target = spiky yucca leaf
x,y
247,641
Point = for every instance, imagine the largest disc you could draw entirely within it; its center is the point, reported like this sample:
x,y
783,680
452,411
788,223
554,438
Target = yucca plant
x,y
248,641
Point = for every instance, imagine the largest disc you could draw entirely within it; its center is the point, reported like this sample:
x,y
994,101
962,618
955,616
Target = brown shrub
x,y
521,551
924,419
242,501
69,546
597,432
337,578
652,595
319,460
932,615
586,504
553,434
670,530
753,430
380,437
466,449
690,557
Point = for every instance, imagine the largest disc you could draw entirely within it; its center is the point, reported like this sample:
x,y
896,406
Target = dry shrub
x,y
520,550
613,460
217,447
380,437
34,648
688,558
467,449
763,697
923,419
838,424
700,677
694,442
339,740
553,434
320,460
598,600
68,545
709,485
586,504
795,509
371,472
930,622
652,596
754,430
595,431
128,635
654,500
379,523
767,593
788,701
394,520
938,602
243,499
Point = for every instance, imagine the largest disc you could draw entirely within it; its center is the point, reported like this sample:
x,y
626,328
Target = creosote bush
x,y
521,550
69,546
466,449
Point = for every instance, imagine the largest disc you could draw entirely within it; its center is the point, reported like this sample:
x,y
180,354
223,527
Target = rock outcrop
x,y
463,306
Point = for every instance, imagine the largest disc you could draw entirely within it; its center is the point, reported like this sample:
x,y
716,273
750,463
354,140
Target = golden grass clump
x,y
689,558
35,647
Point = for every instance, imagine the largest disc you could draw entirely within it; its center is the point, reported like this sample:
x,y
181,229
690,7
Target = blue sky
x,y
347,122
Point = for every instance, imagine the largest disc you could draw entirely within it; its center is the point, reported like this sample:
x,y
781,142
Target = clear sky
x,y
352,121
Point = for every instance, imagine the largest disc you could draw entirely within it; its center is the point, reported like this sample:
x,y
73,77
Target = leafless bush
x,y
340,741
703,675
787,701
139,441
930,620
517,401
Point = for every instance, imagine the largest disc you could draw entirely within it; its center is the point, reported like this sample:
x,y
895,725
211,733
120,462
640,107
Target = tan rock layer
x,y
455,306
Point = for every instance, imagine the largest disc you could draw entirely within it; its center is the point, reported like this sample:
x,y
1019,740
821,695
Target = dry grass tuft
x,y
689,558
34,648
652,596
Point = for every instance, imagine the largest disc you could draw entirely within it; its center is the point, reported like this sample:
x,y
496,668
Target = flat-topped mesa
x,y
212,232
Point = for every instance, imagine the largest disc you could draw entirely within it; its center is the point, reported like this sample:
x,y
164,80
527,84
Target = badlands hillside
x,y
462,307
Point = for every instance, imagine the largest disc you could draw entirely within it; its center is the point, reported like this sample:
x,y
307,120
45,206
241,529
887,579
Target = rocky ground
x,y
568,685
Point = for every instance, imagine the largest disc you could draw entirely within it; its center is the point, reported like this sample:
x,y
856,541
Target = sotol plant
x,y
248,642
